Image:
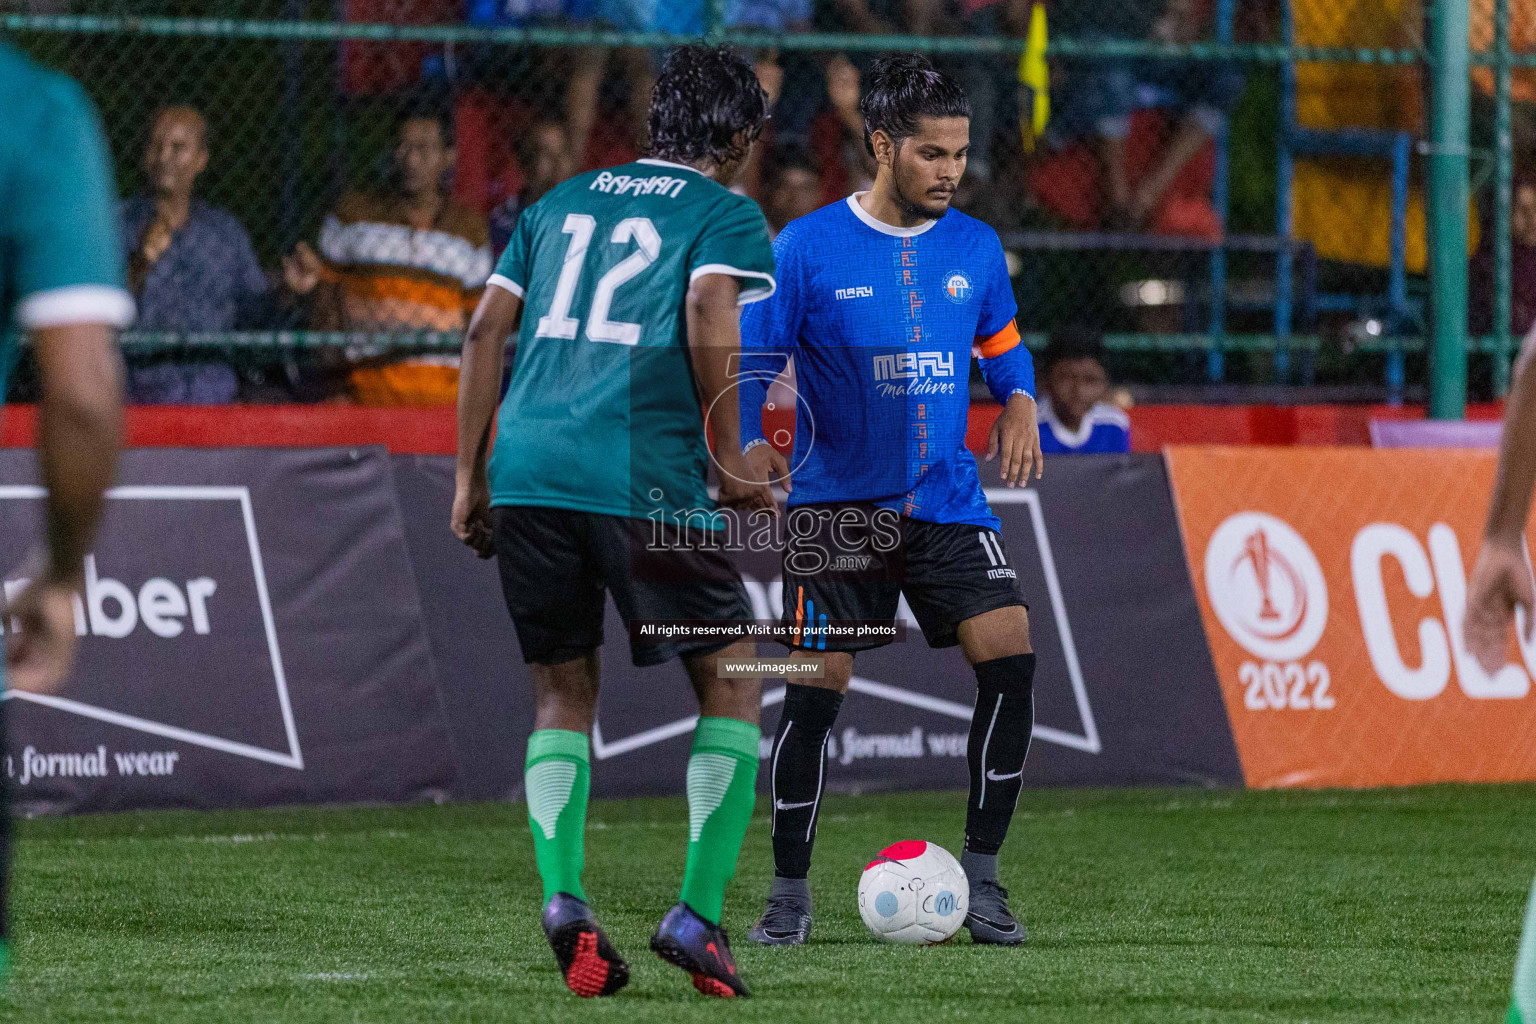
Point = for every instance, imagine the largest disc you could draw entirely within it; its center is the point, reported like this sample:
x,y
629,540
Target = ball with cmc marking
x,y
914,892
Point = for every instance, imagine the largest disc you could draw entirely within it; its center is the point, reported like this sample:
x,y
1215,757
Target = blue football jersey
x,y
1105,430
881,322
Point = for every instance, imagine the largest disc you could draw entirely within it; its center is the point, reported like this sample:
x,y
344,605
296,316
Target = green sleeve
x,y
511,270
64,230
735,242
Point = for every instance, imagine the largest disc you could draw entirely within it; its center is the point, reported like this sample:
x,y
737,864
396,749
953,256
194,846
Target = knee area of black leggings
x,y
1013,675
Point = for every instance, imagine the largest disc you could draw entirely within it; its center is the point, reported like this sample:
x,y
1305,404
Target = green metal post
x,y
1450,95
1502,183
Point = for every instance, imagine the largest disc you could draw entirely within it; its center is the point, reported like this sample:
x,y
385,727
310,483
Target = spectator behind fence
x,y
837,136
404,257
794,187
1098,99
1075,419
544,157
991,80
685,18
1522,257
190,265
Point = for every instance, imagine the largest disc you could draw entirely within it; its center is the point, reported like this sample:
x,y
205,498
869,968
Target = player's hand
x,y
1016,436
768,466
744,480
39,653
471,519
301,270
1500,581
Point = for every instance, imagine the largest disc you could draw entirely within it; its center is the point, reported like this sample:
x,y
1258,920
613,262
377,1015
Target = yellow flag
x,y
1034,81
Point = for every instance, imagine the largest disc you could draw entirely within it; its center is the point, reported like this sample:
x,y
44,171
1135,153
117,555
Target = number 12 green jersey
x,y
602,414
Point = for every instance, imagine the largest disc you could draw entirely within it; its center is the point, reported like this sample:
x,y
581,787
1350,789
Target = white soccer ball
x,y
914,892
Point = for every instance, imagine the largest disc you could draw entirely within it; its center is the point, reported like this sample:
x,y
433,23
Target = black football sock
x,y
978,867
798,774
999,742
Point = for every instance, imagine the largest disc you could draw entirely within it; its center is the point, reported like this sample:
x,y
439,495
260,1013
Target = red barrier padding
x,y
402,431
432,431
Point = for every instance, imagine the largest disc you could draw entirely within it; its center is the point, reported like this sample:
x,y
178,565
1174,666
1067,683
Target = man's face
x,y
176,152
421,157
1076,386
1522,221
549,159
796,192
927,167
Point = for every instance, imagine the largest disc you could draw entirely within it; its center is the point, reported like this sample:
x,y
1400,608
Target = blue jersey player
x,y
881,300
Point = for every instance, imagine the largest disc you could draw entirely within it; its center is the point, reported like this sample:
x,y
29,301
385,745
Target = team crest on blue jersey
x,y
957,287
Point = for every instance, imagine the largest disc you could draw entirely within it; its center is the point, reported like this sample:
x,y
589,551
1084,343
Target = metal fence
x,y
1233,190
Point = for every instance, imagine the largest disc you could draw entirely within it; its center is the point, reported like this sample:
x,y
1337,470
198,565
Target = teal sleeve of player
x,y
735,242
63,221
511,270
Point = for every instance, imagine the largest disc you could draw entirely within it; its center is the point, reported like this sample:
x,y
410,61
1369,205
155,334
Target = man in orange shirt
x,y
402,258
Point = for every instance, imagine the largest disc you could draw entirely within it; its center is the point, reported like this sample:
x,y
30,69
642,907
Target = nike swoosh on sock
x,y
1003,778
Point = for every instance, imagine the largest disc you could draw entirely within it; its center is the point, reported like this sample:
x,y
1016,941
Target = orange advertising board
x,y
1332,583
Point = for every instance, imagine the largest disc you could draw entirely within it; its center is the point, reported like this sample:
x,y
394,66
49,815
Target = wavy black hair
x,y
705,97
902,90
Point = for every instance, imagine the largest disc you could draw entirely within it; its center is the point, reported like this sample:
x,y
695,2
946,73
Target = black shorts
x,y
556,565
852,562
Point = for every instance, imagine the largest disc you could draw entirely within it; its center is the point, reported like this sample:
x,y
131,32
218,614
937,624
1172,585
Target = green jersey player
x,y
624,287
61,281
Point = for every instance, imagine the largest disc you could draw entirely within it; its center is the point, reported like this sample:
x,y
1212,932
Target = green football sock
x,y
558,777
722,785
1522,1009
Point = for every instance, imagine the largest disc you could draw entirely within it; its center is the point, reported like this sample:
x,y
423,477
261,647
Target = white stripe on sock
x,y
773,777
821,771
709,776
549,784
981,801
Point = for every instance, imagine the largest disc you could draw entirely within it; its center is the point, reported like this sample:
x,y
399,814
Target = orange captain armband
x,y
1002,341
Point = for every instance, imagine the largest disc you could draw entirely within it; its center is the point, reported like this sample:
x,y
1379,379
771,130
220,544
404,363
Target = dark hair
x,y
704,98
1070,343
427,110
523,145
904,89
790,157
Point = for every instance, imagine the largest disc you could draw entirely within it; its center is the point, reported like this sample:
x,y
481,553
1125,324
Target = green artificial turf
x,y
1159,905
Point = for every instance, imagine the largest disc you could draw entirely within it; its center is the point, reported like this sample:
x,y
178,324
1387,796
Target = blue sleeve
x,y
998,307
770,330
255,302
1006,365
1009,373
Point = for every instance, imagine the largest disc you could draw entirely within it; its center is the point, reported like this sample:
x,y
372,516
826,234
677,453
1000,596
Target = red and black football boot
x,y
590,964
686,940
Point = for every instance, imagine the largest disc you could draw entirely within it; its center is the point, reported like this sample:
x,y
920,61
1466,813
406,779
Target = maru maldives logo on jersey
x,y
957,287
914,373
